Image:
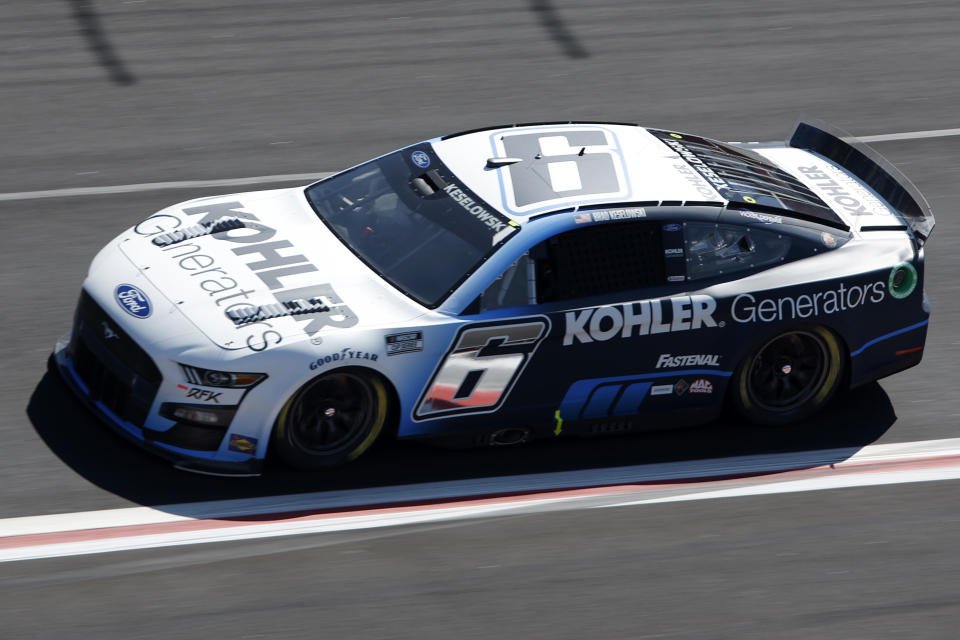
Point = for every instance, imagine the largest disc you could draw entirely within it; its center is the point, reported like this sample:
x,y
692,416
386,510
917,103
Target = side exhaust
x,y
511,436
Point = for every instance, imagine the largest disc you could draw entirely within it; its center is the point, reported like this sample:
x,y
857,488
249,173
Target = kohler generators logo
x,y
646,317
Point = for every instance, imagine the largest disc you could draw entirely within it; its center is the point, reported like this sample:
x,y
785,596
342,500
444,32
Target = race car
x,y
501,285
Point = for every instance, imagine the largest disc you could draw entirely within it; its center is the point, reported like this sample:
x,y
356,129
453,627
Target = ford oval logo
x,y
133,301
420,159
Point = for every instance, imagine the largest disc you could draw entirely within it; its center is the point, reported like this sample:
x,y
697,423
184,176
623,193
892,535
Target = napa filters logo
x,y
133,301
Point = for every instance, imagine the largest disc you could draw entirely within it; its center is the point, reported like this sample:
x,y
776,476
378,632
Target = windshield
x,y
409,218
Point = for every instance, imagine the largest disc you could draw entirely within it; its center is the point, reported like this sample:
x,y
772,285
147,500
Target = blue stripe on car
x,y
594,397
889,335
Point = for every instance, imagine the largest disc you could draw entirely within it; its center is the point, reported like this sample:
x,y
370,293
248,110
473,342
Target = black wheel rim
x,y
788,371
332,414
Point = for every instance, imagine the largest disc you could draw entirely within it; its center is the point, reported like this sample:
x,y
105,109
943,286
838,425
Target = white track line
x,y
910,135
310,177
144,527
809,484
160,186
462,489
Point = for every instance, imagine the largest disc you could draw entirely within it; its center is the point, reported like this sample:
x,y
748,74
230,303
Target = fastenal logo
x,y
667,361
133,300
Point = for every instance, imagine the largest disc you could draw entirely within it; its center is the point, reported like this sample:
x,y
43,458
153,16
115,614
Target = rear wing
x,y
869,166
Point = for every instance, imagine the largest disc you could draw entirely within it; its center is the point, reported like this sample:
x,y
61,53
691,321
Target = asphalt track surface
x,y
105,93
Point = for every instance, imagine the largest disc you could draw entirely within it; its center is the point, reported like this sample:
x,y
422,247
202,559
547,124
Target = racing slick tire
x,y
789,377
331,419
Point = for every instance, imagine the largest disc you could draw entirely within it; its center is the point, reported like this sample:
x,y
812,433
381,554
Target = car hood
x,y
281,253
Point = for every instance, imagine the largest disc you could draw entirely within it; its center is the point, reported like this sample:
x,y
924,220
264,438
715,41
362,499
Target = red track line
x,y
84,535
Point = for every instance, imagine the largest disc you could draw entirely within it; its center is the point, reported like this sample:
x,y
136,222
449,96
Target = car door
x,y
610,299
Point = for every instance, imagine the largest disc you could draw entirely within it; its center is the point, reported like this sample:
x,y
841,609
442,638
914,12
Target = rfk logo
x,y
203,395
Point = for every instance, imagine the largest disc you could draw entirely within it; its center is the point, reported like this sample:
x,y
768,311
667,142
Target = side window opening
x,y
605,258
514,287
718,249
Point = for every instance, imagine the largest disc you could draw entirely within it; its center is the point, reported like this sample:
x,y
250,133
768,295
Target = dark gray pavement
x,y
860,564
96,93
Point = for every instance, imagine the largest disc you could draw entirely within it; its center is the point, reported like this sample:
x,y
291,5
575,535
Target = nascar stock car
x,y
504,284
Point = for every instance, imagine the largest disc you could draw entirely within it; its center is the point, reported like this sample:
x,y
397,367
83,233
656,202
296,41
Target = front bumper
x,y
117,416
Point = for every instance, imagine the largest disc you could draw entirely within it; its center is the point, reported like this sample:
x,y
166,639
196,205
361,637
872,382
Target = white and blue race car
x,y
505,284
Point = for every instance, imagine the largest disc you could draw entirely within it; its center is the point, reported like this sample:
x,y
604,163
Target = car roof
x,y
531,169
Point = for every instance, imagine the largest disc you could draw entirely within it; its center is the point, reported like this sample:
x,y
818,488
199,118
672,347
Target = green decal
x,y
903,280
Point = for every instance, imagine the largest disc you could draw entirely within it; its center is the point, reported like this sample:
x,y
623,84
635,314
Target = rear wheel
x,y
789,377
331,420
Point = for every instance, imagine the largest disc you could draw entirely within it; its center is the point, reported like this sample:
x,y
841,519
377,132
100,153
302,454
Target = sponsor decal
x,y
701,385
603,398
703,188
667,361
698,165
843,191
673,253
408,342
108,332
680,387
671,227
243,444
132,300
559,422
421,159
274,261
676,278
204,395
748,308
764,218
661,390
340,356
647,317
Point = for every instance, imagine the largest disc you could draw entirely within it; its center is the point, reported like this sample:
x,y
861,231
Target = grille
x,y
189,436
116,371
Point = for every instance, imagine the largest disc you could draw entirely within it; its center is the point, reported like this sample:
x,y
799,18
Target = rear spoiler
x,y
863,162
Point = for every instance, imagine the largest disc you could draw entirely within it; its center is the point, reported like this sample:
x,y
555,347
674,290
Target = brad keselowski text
x,y
271,269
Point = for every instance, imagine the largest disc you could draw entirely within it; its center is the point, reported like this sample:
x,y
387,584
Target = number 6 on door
x,y
480,367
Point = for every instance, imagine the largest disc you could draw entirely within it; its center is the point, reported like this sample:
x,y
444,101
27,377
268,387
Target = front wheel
x,y
331,420
789,377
